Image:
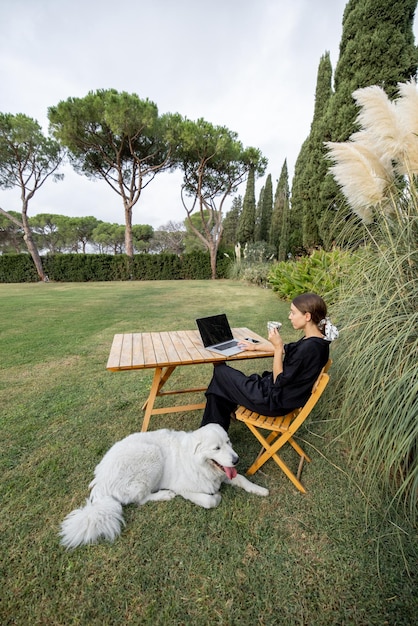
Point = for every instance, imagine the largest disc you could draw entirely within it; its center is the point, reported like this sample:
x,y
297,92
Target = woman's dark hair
x,y
313,304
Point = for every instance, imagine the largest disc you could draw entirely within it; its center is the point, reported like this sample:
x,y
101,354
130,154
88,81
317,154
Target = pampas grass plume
x,y
407,113
386,145
378,116
360,174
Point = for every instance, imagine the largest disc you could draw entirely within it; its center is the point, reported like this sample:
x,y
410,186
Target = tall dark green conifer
x,y
266,210
231,221
377,48
279,229
310,167
246,227
300,195
258,211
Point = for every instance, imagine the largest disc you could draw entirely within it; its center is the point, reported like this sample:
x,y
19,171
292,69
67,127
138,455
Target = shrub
x,y
253,264
258,253
321,272
256,274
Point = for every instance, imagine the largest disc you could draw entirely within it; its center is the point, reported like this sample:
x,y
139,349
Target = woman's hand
x,y
263,346
276,339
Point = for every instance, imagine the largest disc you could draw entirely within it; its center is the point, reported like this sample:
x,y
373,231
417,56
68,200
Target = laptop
x,y
216,335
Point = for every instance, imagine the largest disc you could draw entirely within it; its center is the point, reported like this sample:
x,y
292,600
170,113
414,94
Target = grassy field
x,y
313,559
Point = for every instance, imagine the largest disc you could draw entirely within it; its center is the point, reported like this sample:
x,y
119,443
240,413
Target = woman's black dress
x,y
229,387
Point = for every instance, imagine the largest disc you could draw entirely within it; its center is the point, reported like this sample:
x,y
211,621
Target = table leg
x,y
161,376
157,383
162,379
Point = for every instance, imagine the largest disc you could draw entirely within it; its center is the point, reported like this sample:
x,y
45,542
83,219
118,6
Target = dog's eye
x,y
217,447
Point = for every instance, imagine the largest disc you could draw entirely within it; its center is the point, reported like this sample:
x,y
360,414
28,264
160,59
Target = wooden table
x,y
164,352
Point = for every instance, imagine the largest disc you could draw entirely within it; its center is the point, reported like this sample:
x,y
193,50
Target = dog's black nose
x,y
235,459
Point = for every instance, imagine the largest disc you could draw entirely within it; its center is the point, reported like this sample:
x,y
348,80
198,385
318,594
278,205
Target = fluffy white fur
x,y
153,466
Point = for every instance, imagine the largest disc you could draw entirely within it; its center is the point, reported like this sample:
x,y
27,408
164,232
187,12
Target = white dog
x,y
154,466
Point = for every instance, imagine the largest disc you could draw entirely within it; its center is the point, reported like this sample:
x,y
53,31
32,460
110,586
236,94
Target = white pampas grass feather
x,y
378,116
407,113
360,174
407,106
367,140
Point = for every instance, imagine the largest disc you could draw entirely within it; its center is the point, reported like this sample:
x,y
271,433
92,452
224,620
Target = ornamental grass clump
x,y
377,355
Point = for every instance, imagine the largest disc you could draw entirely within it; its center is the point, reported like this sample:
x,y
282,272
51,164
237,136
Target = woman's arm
x,y
262,346
276,342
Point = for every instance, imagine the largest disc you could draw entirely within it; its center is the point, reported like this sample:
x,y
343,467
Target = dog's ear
x,y
197,447
196,441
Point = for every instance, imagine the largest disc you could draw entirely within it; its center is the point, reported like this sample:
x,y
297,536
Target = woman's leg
x,y
217,411
227,389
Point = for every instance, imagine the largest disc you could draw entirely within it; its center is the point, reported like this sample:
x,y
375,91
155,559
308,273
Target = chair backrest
x,y
323,371
317,391
327,366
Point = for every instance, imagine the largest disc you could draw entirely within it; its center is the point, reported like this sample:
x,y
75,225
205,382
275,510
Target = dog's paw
x,y
258,491
216,499
167,494
159,496
206,500
261,491
244,483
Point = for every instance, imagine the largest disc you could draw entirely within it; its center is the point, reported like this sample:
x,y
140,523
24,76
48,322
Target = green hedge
x,y
19,268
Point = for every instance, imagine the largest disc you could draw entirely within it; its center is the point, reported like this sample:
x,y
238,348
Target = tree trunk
x,y
213,252
28,239
33,251
30,244
129,247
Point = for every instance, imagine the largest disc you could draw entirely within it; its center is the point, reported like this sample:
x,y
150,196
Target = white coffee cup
x,y
271,325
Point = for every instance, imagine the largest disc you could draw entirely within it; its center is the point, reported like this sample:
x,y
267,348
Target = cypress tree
x,y
231,221
266,210
279,229
258,212
300,196
284,246
310,166
246,227
377,48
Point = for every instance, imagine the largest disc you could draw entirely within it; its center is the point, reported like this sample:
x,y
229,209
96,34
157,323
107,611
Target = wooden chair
x,y
282,430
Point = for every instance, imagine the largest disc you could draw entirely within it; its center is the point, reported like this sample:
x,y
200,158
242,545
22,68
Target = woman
x,y
290,383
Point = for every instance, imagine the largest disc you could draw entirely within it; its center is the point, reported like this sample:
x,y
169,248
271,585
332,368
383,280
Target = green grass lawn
x,y
313,559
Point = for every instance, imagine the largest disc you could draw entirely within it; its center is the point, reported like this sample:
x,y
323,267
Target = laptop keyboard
x,y
225,346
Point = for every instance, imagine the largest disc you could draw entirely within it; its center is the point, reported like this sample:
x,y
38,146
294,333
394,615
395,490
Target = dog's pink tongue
x,y
231,472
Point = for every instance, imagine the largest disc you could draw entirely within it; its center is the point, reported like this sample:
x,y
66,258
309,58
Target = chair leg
x,y
274,434
298,449
271,452
271,437
294,479
300,468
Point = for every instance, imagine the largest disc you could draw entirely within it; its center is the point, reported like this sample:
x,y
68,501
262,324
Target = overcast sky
x,y
249,65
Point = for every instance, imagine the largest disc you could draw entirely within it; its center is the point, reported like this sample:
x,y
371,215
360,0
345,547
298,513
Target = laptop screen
x,y
214,329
